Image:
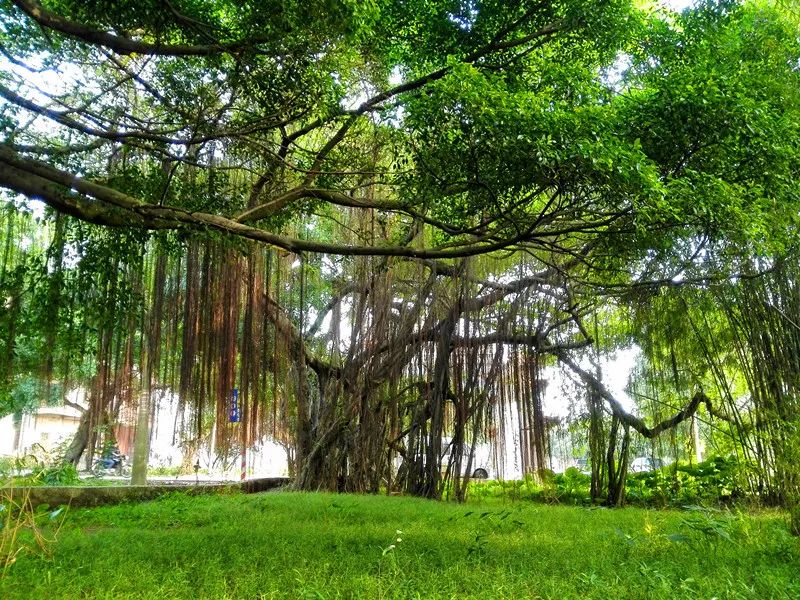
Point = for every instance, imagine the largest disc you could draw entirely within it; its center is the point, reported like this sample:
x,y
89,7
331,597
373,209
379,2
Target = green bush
x,y
42,468
11,466
58,474
716,480
573,486
162,471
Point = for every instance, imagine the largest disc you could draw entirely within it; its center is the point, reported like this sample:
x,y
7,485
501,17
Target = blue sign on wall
x,y
234,414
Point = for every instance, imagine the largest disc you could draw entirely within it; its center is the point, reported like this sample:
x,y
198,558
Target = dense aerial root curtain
x,y
374,374
187,392
253,346
386,279
149,358
529,393
410,370
763,318
53,306
12,282
419,378
394,374
738,340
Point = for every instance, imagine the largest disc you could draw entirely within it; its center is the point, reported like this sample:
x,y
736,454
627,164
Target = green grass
x,y
284,545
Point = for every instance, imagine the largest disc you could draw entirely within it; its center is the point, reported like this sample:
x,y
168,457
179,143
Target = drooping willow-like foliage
x,y
372,372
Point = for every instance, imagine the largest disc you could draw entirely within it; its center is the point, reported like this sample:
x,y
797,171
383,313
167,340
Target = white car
x,y
642,464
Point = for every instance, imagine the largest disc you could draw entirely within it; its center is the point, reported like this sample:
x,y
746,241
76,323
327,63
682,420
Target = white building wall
x,y
7,435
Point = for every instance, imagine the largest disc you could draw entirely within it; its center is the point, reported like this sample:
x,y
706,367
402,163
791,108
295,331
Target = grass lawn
x,y
285,545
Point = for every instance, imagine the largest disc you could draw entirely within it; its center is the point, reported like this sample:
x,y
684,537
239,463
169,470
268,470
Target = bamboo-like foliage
x,y
763,316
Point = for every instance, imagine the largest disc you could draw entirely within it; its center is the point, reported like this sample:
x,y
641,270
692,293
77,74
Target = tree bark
x,y
141,441
79,441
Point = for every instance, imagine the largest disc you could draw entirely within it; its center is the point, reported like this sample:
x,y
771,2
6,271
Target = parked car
x,y
642,464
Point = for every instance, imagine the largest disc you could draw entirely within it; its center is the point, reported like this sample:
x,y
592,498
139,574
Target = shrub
x,y
572,485
716,480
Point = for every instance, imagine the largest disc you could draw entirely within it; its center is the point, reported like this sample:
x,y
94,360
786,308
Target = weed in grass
x,y
24,529
709,526
489,524
307,590
389,554
783,546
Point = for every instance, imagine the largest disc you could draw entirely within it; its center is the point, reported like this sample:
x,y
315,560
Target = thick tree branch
x,y
284,325
537,342
121,44
624,416
332,303
78,407
331,196
99,204
51,150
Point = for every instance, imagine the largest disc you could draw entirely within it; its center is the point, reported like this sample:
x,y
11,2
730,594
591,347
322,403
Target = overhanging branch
x,y
100,204
122,44
624,416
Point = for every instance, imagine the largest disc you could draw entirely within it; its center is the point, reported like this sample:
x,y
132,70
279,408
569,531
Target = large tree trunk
x,y
597,442
430,486
617,465
149,358
306,458
17,422
79,441
141,441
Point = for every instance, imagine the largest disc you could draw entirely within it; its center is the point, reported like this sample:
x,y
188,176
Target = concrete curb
x,y
86,496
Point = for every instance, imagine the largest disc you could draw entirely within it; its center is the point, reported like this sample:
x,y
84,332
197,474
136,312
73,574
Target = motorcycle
x,y
113,463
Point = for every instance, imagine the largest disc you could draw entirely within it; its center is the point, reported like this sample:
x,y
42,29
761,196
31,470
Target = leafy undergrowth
x,y
286,545
718,481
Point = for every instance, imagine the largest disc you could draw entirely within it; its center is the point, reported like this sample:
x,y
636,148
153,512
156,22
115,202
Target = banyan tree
x,y
380,222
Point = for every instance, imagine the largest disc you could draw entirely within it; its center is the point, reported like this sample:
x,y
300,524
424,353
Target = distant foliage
x,y
716,481
39,468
